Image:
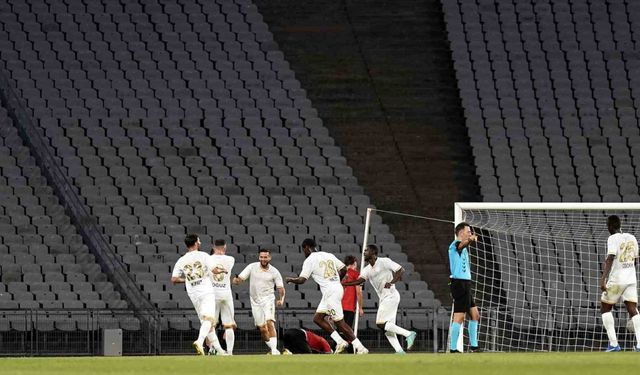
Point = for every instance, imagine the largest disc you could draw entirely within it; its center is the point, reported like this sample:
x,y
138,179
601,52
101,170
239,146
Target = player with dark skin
x,y
632,307
320,318
371,257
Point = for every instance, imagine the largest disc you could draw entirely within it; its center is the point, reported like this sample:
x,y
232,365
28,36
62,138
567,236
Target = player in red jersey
x,y
352,294
302,341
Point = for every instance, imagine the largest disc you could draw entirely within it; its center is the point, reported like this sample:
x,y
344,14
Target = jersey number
x,y
627,252
329,269
194,272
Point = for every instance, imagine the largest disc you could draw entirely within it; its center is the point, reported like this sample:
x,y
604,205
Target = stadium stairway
x,y
381,75
44,263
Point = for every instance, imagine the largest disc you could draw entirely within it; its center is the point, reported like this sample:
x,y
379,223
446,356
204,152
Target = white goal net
x,y
535,272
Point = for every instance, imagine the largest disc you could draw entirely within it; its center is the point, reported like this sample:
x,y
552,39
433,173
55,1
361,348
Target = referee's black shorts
x,y
462,296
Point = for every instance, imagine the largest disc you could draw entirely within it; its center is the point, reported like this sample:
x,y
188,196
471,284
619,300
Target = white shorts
x,y
331,303
388,307
263,312
225,311
205,307
628,292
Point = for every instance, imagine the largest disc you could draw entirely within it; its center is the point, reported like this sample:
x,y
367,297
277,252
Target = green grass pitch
x,y
372,364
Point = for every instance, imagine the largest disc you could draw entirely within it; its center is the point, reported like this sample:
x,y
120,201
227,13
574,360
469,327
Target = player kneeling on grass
x,y
195,269
619,281
303,341
327,270
383,273
263,277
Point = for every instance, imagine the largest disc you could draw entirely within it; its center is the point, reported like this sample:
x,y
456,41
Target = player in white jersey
x,y
383,273
263,277
619,281
327,270
195,269
222,290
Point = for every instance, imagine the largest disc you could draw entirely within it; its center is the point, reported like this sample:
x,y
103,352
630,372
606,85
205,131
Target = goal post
x,y
535,272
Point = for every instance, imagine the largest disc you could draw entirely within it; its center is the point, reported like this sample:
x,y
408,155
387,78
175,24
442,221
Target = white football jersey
x,y
261,282
380,274
222,282
625,248
324,268
195,267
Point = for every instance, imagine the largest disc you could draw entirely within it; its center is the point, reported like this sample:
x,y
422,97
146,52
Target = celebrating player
x,y
619,281
460,283
263,277
325,269
195,269
222,289
383,273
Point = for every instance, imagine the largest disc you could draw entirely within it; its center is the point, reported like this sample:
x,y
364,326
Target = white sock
x,y
273,344
610,327
357,344
268,342
393,340
213,341
205,327
230,338
636,327
391,327
336,337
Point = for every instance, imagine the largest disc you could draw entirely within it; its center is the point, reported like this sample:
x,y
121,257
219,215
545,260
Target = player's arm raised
x,y
472,239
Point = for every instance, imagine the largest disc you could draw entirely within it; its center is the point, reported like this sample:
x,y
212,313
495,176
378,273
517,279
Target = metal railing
x,y
79,332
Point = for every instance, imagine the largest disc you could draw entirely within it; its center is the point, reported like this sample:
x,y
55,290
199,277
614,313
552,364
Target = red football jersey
x,y
349,298
317,343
